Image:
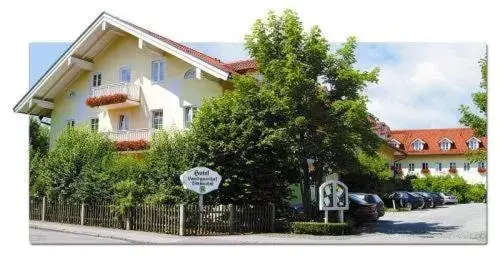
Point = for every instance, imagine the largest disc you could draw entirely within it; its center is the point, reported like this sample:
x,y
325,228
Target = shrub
x,y
454,185
107,99
475,193
317,228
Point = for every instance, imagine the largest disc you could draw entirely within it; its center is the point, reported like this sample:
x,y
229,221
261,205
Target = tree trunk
x,y
306,196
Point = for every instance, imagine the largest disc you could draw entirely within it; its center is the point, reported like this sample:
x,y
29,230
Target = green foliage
x,y
39,146
478,121
316,228
371,176
454,185
76,167
39,137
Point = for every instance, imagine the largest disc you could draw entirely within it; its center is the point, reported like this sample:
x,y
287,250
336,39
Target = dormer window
x,y
473,143
394,143
445,144
418,145
190,73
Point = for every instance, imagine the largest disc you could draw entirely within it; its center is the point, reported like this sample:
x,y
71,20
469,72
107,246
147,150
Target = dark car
x,y
438,199
403,199
429,201
375,199
360,210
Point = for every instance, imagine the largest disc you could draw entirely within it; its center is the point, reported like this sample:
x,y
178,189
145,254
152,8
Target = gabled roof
x,y
418,139
445,139
243,66
479,140
100,33
459,136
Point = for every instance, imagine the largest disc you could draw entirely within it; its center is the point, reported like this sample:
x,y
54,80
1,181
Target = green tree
x,y
478,121
327,118
39,137
76,167
38,149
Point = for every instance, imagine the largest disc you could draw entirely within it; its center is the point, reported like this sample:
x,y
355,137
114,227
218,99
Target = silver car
x,y
448,198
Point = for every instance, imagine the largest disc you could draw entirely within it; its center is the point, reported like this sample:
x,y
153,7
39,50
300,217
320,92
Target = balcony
x,y
131,140
114,96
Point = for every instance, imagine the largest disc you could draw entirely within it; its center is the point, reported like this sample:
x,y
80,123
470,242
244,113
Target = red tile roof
x,y
243,65
431,137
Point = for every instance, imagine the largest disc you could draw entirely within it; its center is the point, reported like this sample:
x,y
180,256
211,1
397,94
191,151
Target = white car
x,y
448,198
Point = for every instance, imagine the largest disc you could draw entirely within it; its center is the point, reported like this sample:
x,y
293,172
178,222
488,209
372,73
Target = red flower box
x,y
106,99
452,170
133,145
481,170
425,171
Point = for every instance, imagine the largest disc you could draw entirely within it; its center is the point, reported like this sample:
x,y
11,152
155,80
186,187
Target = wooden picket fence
x,y
169,219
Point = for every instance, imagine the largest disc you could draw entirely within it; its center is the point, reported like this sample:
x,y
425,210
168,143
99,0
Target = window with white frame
x,y
123,122
70,123
125,74
157,119
453,165
445,144
189,114
473,144
439,166
481,165
397,166
425,165
411,167
418,145
466,166
96,79
94,124
158,72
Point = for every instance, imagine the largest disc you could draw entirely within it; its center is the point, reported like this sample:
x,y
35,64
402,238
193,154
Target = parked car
x,y
438,199
429,201
360,210
375,199
449,199
403,199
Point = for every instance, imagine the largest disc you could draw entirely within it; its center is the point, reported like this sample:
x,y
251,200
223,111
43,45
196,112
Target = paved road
x,y
38,236
458,224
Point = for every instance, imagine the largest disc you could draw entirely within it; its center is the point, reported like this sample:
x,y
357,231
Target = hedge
x,y
317,228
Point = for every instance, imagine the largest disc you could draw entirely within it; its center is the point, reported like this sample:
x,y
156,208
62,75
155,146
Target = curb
x,y
88,234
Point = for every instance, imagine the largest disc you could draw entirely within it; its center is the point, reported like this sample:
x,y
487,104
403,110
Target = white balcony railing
x,y
130,135
133,91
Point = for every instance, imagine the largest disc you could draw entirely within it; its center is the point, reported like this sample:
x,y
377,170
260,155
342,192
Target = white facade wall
x,y
471,176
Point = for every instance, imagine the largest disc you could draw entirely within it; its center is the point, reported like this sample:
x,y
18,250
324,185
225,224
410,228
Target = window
x,y
394,143
439,166
418,145
125,74
481,165
411,166
70,123
473,143
453,165
157,122
397,166
71,94
425,165
190,74
96,79
94,124
189,114
123,123
158,72
445,145
466,166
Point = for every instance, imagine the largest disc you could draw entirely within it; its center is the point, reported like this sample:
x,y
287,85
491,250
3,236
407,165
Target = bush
x,y
454,185
316,228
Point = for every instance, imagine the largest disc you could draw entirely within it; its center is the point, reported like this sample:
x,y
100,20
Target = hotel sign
x,y
201,180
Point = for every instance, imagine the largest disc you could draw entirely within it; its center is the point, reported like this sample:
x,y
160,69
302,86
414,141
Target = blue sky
x,y
421,85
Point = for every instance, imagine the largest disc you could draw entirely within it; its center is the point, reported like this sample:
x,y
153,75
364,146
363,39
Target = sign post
x,y
201,180
333,195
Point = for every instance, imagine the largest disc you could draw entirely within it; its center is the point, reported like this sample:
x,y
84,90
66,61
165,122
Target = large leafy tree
x,y
478,121
38,149
308,105
328,119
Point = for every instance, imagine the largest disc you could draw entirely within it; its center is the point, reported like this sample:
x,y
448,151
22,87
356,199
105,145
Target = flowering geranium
x,y
452,170
426,171
106,99
481,170
132,145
